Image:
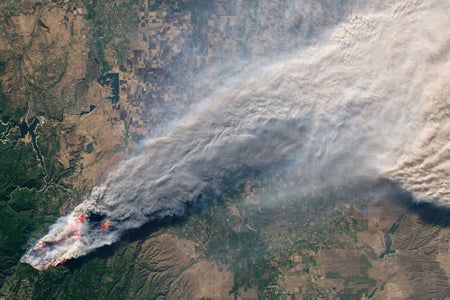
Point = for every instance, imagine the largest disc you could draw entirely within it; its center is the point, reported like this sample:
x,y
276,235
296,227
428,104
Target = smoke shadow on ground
x,y
387,189
144,232
428,213
131,236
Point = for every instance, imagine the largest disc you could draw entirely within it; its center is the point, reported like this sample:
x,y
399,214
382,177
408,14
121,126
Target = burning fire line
x,y
70,236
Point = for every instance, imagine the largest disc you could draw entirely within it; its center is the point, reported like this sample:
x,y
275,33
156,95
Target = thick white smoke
x,y
372,98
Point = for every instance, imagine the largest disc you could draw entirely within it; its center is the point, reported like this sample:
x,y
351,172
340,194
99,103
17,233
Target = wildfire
x,y
56,249
82,218
57,262
105,225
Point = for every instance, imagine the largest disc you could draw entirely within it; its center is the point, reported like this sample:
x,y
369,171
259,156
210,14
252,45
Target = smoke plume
x,y
371,98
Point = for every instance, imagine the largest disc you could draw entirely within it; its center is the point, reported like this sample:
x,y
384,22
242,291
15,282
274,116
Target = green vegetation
x,y
3,65
364,264
12,229
261,273
347,293
110,22
349,224
239,242
111,80
372,293
257,245
23,199
30,174
10,8
18,168
332,275
24,205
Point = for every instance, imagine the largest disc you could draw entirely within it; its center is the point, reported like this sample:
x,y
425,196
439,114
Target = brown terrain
x,y
90,135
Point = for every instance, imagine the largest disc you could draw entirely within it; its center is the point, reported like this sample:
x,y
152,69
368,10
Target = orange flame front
x,y
105,225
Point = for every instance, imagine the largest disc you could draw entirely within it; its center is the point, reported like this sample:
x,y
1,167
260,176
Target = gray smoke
x,y
370,99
